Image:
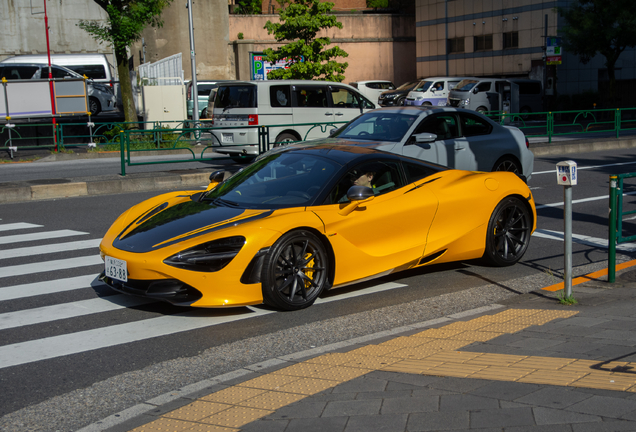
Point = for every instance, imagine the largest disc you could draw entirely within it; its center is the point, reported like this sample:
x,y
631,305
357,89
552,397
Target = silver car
x,y
453,137
100,97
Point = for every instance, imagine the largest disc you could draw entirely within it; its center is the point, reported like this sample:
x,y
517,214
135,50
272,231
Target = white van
x,y
373,89
432,91
494,94
290,103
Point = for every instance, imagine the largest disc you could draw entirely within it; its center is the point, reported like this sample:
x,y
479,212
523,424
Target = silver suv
x,y
100,96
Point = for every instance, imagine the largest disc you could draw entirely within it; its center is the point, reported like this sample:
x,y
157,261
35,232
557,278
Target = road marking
x,y
16,226
560,204
583,239
45,266
49,287
39,236
587,167
69,310
51,248
74,343
590,276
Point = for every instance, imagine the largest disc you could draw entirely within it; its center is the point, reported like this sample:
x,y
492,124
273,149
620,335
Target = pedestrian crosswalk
x,y
69,262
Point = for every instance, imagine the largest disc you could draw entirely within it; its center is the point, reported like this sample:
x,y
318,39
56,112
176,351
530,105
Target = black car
x,y
397,96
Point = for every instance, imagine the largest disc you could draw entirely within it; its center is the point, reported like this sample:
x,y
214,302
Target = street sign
x,y
553,51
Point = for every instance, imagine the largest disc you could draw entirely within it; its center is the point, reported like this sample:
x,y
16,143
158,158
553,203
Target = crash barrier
x,y
616,215
561,123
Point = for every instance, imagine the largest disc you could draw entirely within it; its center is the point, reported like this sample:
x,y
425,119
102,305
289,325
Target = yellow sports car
x,y
304,220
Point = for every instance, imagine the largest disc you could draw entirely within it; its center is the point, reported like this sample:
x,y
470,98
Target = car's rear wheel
x,y
295,271
285,138
507,164
508,234
482,110
94,106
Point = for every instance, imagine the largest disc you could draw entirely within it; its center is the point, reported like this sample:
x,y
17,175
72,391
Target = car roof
x,y
279,82
373,81
42,65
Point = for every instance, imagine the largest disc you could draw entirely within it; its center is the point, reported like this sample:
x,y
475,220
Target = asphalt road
x,y
62,333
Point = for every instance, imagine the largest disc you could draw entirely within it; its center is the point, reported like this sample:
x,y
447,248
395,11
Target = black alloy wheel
x,y
295,271
509,232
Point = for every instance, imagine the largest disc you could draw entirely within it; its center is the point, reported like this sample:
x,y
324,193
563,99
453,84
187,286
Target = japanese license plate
x,y
228,138
116,269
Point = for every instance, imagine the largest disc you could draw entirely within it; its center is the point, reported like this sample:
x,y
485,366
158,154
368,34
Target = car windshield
x,y
423,86
280,180
465,85
378,126
407,85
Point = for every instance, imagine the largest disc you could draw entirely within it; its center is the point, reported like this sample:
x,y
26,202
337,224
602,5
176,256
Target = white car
x,y
453,137
373,89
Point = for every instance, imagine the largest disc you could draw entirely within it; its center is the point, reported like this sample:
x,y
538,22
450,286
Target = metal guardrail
x,y
616,215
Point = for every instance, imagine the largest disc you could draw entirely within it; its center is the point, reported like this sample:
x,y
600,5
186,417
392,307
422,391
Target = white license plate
x,y
228,138
116,269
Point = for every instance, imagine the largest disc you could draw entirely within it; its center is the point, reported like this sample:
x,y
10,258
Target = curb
x,y
582,146
15,192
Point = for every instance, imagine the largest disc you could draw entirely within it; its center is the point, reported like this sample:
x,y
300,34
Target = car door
x,y
347,103
450,148
387,232
482,150
311,105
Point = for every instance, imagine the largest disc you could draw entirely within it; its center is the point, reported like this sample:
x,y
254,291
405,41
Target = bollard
x,y
611,264
567,176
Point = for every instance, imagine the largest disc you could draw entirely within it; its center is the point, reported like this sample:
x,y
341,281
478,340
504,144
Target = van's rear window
x,y
236,96
91,71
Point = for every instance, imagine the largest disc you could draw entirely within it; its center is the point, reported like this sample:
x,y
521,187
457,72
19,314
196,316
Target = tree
x,y
248,7
300,22
375,4
600,26
126,20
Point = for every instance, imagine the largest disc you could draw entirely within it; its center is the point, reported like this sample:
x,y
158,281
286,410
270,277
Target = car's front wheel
x,y
94,106
295,271
284,139
508,234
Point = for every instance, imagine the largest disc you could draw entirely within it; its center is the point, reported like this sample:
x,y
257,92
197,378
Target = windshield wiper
x,y
224,203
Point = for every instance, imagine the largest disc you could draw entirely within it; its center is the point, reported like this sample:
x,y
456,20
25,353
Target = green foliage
x,y
299,23
378,3
566,300
248,7
126,20
599,27
241,36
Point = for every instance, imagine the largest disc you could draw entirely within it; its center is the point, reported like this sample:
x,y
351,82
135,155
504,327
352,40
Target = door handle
x,y
459,147
339,114
328,114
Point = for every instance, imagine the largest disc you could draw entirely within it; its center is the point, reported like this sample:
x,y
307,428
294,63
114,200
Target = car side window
x,y
343,98
485,86
417,172
473,125
310,96
381,176
279,96
444,126
60,73
19,72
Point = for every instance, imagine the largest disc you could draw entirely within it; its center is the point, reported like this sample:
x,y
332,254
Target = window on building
x,y
483,43
456,45
511,40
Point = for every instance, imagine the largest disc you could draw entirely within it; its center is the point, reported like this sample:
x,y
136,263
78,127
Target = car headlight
x,y
208,257
465,102
419,98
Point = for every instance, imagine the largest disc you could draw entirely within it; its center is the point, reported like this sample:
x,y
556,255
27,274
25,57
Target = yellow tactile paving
x,y
302,369
502,373
233,395
272,400
269,382
236,416
197,410
309,386
434,352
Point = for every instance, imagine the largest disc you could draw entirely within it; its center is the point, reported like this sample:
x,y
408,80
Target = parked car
x,y
373,89
456,138
100,96
432,91
291,108
490,94
398,96
203,89
300,222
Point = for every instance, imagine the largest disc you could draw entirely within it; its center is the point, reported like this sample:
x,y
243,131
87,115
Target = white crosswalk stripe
x,y
105,309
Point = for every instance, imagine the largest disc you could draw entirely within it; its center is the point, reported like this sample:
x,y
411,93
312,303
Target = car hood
x,y
175,221
378,145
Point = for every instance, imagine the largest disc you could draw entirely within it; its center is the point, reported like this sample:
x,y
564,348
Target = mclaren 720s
x,y
304,220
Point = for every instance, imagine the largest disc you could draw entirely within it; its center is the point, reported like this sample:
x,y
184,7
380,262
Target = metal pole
x,y
446,25
611,265
195,91
122,153
567,245
48,53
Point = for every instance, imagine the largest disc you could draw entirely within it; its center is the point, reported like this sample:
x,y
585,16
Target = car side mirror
x,y
475,90
357,195
424,137
332,132
217,177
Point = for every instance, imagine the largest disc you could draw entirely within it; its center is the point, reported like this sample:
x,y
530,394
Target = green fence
x,y
616,215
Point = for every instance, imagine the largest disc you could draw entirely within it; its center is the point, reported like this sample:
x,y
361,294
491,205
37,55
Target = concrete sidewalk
x,y
164,179
529,365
